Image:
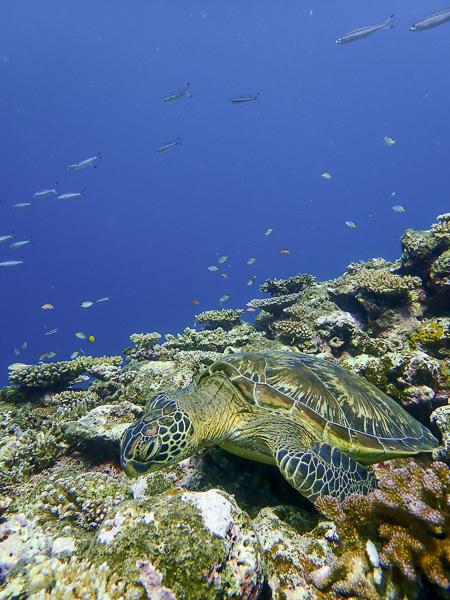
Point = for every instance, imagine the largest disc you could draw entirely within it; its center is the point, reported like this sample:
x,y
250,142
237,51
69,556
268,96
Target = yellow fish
x,y
91,338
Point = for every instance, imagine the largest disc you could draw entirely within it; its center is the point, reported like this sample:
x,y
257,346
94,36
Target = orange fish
x,y
42,356
194,302
285,251
47,307
224,275
251,309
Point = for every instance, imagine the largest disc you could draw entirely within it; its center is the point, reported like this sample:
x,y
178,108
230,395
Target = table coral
x,y
226,318
292,285
274,305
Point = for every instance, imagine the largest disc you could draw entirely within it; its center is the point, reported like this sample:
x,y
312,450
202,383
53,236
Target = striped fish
x,y
359,34
433,20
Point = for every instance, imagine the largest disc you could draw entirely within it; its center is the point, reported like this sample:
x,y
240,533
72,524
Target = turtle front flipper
x,y
324,470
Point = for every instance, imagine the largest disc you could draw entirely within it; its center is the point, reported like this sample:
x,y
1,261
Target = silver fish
x,y
5,238
176,95
21,205
19,244
69,196
87,163
434,20
359,34
168,146
244,99
11,263
44,194
72,167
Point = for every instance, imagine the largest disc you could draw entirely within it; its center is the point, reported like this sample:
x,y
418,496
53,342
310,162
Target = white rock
x,y
215,509
63,544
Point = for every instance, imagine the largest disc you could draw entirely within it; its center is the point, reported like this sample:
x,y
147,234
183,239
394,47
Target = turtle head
x,y
162,437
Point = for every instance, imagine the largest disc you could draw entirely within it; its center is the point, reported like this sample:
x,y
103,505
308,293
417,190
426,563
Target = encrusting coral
x,y
406,523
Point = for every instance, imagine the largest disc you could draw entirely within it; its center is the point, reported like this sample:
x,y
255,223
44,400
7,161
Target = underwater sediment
x,y
72,525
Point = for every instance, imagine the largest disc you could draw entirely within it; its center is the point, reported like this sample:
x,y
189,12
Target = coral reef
x,y
72,525
59,374
283,287
227,318
406,523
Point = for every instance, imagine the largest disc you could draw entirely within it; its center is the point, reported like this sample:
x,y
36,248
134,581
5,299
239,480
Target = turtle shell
x,y
338,407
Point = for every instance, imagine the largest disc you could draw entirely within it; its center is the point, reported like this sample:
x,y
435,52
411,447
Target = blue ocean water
x,y
78,78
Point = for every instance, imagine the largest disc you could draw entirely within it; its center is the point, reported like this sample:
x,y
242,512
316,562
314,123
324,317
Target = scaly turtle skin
x,y
316,421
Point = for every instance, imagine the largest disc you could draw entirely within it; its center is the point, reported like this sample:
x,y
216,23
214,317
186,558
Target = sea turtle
x,y
313,419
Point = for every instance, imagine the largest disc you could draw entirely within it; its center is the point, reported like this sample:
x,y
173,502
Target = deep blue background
x,y
82,77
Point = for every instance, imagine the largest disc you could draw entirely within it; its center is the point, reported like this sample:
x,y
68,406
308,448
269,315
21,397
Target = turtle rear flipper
x,y
324,470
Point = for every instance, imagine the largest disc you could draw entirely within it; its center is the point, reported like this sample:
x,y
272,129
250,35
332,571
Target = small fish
x,y
223,298
50,354
251,309
244,99
70,195
74,355
213,268
194,302
81,336
11,263
359,34
91,338
47,307
176,96
44,194
251,261
252,280
224,275
434,20
19,244
350,224
284,251
326,176
398,208
51,332
43,356
18,366
168,146
88,162
24,345
103,299
86,304
72,167
5,238
389,141
222,259
16,351
268,231
392,195
21,205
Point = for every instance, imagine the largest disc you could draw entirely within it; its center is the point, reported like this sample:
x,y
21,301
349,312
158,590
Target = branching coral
x,y
292,331
145,340
59,374
226,318
379,281
292,285
407,518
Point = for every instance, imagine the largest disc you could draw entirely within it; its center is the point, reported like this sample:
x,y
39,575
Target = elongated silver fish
x,y
69,196
11,263
21,205
5,238
19,244
87,163
359,34
176,95
244,99
168,146
434,20
44,194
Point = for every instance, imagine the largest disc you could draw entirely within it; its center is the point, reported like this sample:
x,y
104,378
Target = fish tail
x,y
386,23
